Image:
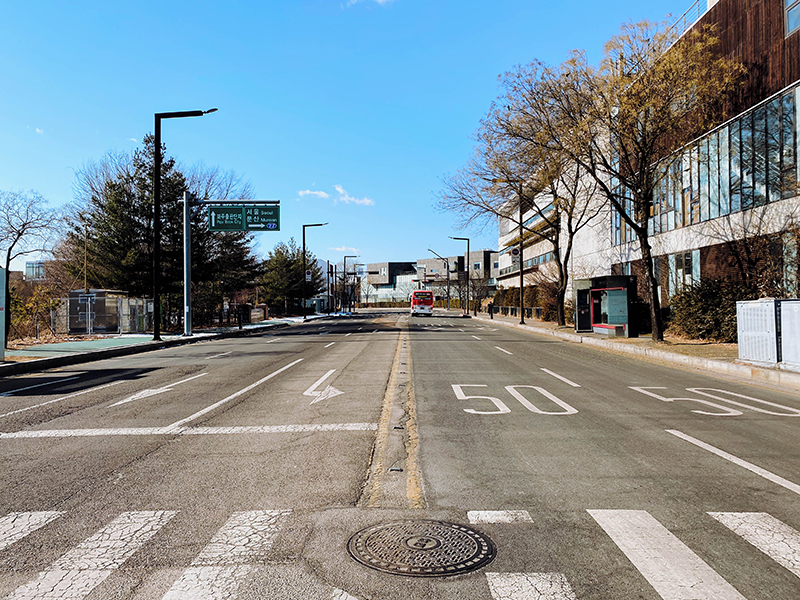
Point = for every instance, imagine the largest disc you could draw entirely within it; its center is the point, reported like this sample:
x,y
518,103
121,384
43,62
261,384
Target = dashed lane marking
x,y
38,385
478,517
198,414
502,350
94,389
564,379
777,479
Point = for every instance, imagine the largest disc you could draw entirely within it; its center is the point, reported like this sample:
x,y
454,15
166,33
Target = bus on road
x,y
421,302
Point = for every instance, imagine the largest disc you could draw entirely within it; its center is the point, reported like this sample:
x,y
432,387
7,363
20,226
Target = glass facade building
x,y
749,161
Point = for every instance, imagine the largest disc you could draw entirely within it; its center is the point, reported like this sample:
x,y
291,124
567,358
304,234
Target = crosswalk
x,y
245,541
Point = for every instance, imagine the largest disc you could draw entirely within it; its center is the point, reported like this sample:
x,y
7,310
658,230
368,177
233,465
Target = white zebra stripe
x,y
79,571
16,525
529,586
668,564
228,558
773,537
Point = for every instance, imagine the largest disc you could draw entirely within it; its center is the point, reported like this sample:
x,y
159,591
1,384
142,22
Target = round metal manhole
x,y
421,548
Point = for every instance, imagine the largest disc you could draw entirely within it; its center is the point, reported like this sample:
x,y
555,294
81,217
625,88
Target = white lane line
x,y
140,431
501,350
773,537
220,355
479,517
376,331
476,337
16,525
38,385
272,341
789,485
200,413
529,586
79,571
94,389
668,564
564,379
349,334
154,392
242,542
331,344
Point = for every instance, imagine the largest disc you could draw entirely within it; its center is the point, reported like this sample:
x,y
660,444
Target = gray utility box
x,y
790,333
769,331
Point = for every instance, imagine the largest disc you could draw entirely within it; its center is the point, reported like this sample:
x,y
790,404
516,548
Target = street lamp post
x,y
466,267
447,271
157,212
304,263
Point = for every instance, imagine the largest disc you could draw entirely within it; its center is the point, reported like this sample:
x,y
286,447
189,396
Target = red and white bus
x,y
421,302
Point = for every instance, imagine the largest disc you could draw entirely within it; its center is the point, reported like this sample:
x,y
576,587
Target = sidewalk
x,y
704,356
39,357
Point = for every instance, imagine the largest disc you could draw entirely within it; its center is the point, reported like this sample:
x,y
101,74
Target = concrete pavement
x,y
723,359
712,358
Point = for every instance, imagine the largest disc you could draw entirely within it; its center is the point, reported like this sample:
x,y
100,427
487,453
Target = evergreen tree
x,y
111,230
282,282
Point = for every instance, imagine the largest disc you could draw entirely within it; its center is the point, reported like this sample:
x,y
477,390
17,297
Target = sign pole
x,y
187,267
3,309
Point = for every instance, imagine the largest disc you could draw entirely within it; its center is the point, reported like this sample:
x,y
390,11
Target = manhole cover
x,y
421,548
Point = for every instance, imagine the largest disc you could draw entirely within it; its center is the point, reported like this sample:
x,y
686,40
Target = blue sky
x,y
348,112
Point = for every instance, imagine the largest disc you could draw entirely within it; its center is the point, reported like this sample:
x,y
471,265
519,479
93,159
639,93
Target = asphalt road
x,y
241,469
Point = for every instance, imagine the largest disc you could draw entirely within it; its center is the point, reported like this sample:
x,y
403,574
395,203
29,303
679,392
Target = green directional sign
x,y
262,218
225,218
244,218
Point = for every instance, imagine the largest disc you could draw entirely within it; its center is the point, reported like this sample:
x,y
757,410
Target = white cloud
x,y
40,131
344,249
381,2
348,199
317,193
134,140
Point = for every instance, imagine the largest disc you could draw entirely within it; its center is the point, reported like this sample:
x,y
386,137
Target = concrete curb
x,y
42,364
756,373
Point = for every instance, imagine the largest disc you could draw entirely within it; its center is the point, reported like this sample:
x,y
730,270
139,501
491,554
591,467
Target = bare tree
x,y
516,178
651,95
26,226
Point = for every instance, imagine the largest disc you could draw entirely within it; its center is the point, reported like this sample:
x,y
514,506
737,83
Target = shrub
x,y
707,310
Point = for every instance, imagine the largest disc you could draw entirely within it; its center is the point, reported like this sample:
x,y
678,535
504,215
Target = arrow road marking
x,y
154,392
328,392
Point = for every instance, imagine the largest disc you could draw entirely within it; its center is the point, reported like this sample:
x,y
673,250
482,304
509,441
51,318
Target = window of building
x,y
476,266
684,270
792,16
383,270
750,162
34,271
496,265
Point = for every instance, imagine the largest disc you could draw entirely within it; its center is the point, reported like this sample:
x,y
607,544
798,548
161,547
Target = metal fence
x,y
103,315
